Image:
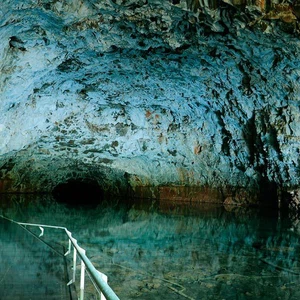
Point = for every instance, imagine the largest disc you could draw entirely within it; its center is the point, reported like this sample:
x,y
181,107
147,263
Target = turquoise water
x,y
152,250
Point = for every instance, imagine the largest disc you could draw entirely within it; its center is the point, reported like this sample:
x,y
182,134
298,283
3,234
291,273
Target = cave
x,y
79,192
188,108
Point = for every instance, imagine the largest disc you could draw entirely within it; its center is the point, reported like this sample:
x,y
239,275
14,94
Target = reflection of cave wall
x,y
175,99
29,268
172,241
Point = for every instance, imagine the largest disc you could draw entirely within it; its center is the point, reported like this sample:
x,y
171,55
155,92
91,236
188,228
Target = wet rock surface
x,y
150,93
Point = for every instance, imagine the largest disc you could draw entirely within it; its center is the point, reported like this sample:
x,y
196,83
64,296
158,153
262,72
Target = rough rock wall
x,y
150,93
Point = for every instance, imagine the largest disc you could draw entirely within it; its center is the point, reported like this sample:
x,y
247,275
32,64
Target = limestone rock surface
x,y
149,93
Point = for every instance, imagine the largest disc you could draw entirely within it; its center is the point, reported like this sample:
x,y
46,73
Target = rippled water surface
x,y
153,250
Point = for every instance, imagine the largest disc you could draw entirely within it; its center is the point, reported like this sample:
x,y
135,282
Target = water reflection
x,y
162,251
28,269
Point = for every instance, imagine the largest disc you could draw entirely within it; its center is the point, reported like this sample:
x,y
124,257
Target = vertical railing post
x,y
74,263
74,266
82,277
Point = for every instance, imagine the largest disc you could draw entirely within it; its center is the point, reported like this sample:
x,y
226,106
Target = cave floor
x,y
152,250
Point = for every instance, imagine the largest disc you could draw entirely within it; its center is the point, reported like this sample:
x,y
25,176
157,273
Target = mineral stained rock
x,y
151,95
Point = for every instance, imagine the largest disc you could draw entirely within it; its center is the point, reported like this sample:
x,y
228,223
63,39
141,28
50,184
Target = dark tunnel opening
x,y
79,192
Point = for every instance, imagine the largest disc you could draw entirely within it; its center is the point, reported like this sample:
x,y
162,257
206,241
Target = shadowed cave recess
x,y
169,100
79,192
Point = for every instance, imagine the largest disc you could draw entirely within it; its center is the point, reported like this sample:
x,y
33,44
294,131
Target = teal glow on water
x,y
160,251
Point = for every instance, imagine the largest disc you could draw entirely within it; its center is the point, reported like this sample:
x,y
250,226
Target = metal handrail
x,y
99,279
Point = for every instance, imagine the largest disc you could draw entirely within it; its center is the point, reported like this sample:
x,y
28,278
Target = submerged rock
x,y
153,94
